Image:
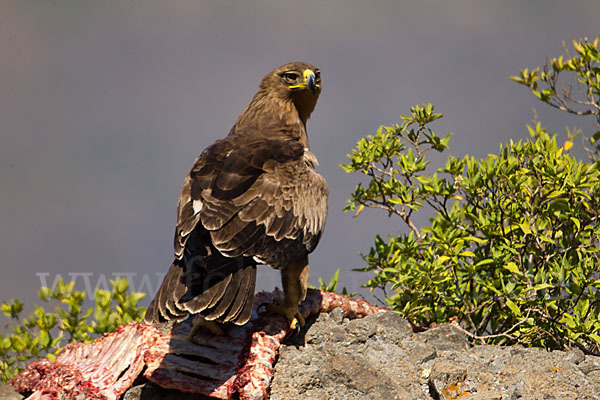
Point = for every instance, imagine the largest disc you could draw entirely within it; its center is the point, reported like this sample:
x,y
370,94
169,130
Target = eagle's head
x,y
299,82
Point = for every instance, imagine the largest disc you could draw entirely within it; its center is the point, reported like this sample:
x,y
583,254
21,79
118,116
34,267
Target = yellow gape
x,y
309,76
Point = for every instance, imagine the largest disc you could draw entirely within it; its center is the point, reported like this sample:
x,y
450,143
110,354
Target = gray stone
x,y
356,374
445,338
590,364
390,326
337,315
355,362
7,392
379,357
576,356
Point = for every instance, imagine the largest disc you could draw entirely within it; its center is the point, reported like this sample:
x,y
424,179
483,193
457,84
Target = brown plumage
x,y
251,198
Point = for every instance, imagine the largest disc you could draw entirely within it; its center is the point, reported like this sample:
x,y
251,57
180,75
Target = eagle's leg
x,y
294,279
200,322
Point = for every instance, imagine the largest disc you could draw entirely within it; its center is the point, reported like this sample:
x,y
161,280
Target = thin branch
x,y
502,334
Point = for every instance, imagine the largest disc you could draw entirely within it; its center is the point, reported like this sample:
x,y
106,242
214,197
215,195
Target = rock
x,y
351,359
447,379
326,328
336,315
379,357
7,392
355,373
590,364
576,356
446,338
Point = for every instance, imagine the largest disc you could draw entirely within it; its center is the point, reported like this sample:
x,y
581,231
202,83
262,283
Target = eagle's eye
x,y
290,77
318,76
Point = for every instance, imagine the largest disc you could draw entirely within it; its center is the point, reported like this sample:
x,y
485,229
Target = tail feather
x,y
225,295
161,308
152,315
241,308
172,287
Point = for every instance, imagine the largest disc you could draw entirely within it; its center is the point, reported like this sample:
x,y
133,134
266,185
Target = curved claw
x,y
298,318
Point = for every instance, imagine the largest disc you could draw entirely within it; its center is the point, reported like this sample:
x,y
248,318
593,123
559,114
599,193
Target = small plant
x,y
332,285
63,320
512,251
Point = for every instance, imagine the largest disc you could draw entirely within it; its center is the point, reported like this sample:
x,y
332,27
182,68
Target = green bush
x,y
511,253
63,320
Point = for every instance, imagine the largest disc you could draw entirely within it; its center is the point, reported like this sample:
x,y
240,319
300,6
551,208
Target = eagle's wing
x,y
264,201
246,200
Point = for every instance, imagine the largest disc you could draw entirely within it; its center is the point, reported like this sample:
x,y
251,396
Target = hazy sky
x,y
105,104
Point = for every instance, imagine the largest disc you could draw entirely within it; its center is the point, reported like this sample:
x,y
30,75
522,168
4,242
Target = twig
x,y
502,334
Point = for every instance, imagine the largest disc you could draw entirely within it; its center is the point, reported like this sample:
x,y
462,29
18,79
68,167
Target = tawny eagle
x,y
251,198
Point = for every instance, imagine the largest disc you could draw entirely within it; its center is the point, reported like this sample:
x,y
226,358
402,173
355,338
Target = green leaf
x,y
44,338
595,337
485,261
513,307
512,267
568,319
542,286
525,228
576,222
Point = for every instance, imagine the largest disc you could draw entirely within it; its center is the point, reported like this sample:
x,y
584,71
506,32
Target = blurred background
x,y
105,104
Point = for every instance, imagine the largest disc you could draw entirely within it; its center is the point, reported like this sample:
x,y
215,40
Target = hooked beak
x,y
309,80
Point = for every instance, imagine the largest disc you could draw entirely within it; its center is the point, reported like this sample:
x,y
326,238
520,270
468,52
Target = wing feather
x,y
264,188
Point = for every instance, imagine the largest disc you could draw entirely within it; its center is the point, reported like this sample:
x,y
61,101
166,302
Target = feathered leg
x,y
294,279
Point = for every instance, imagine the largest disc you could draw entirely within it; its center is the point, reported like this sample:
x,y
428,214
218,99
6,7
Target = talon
x,y
290,313
298,319
293,324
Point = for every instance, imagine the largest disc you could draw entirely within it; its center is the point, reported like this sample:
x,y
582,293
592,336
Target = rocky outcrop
x,y
379,357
